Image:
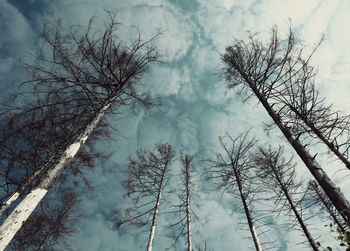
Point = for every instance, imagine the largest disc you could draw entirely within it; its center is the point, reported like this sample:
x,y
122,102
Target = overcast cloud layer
x,y
195,109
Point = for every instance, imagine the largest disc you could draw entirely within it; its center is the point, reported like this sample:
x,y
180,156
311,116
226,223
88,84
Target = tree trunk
x,y
188,213
155,214
19,191
332,191
329,210
295,211
247,212
43,242
329,144
23,210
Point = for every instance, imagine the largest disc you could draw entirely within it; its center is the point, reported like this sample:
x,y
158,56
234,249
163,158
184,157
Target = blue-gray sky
x,y
195,108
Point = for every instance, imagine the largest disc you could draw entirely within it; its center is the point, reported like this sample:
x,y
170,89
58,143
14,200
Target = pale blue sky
x,y
195,108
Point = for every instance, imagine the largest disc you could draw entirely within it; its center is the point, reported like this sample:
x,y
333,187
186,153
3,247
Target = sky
x,y
195,108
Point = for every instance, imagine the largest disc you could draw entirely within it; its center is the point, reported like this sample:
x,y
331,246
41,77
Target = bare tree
x,y
85,67
305,112
263,71
32,138
50,225
205,248
185,208
278,175
319,198
234,172
148,175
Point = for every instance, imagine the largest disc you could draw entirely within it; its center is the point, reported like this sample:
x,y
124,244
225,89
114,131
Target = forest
x,y
272,177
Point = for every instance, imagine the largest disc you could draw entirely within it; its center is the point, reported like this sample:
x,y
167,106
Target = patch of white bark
x,y
14,222
9,201
21,213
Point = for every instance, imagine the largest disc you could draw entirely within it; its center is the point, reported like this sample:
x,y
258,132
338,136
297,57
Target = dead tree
x,y
262,71
148,175
301,107
32,138
185,208
50,225
97,70
278,175
205,248
233,171
317,197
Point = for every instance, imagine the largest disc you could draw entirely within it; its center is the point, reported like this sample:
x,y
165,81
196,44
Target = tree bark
x,y
329,210
19,191
188,211
21,213
329,144
295,211
43,242
247,212
155,214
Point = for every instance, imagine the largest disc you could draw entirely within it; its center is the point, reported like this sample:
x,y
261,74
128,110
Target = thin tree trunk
x,y
331,213
43,242
188,211
155,214
23,210
332,191
247,212
329,144
295,211
19,191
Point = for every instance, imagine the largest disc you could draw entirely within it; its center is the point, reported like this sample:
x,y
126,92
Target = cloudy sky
x,y
195,109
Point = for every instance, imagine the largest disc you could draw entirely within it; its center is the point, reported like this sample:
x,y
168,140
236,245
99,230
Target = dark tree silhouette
x,y
305,112
278,175
319,198
95,73
264,71
148,175
205,248
234,174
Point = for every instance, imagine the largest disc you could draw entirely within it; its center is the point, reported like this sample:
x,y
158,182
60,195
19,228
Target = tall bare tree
x,y
184,209
319,198
205,248
234,172
263,71
305,112
148,175
32,138
87,67
278,175
50,225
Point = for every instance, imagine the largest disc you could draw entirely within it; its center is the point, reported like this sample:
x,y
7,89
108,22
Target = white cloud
x,y
318,21
157,127
188,133
206,58
165,81
176,32
15,31
195,111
